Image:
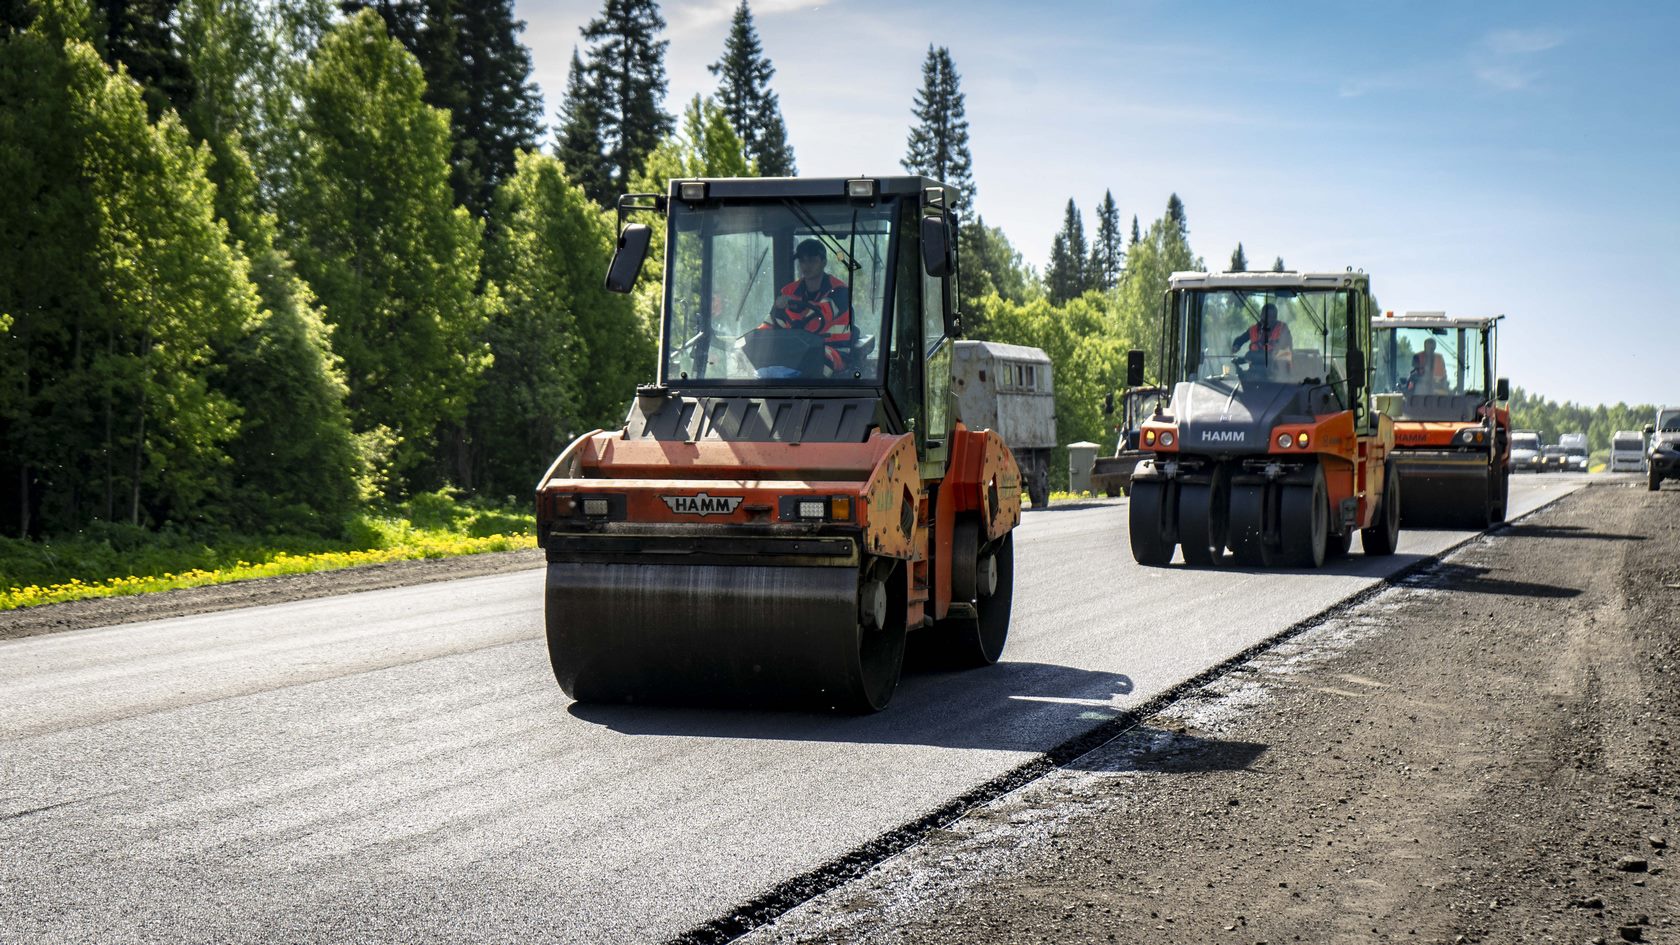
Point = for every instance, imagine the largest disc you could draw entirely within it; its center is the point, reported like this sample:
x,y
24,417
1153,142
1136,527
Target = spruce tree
x,y
625,79
938,144
1108,252
1175,215
1277,265
1136,236
1067,277
744,92
140,34
580,143
1239,260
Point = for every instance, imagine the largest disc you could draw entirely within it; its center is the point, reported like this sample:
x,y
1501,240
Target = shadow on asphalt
x,y
1464,577
1027,707
1354,565
1564,531
1147,748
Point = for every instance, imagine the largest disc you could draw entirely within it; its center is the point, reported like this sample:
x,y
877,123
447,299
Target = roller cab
x,y
794,497
1265,441
1452,431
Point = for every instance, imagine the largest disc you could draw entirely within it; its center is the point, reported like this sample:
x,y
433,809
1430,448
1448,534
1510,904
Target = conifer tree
x,y
623,80
1136,236
1108,253
1175,215
938,144
1067,277
744,92
580,143
1277,265
1239,260
140,34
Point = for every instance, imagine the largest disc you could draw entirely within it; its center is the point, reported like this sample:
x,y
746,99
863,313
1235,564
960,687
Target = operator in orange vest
x,y
1429,370
1269,339
816,302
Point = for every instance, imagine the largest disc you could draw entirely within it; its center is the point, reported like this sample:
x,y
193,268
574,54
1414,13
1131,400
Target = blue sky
x,y
1477,158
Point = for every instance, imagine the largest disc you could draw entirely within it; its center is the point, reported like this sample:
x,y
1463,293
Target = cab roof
x,y
1432,320
1269,280
771,188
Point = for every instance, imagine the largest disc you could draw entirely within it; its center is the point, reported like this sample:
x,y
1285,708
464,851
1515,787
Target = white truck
x,y
1009,389
1627,451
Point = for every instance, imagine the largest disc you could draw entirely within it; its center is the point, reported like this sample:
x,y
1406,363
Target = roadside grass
x,y
114,560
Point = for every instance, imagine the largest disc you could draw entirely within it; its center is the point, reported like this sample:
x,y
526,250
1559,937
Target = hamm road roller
x,y
794,495
1452,437
1267,444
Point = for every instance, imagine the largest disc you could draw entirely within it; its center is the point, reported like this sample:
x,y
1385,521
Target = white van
x,y
1627,451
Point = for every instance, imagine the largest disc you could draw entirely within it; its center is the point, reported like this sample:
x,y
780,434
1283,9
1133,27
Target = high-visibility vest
x,y
1272,338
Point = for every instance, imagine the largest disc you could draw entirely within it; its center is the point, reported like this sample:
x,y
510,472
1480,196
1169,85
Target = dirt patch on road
x,y
1484,752
76,615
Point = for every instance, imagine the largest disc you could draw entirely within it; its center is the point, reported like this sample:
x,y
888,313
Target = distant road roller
x,y
1452,432
1268,443
794,496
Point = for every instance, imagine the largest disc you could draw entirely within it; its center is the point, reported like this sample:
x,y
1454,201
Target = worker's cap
x,y
809,249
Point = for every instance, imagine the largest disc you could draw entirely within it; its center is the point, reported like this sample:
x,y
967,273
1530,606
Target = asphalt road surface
x,y
398,765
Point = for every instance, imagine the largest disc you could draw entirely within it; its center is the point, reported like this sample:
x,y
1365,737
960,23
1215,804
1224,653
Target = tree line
x,y
272,261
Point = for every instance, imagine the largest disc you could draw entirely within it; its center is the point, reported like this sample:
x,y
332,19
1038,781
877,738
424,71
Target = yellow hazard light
x,y
1149,438
1301,440
841,507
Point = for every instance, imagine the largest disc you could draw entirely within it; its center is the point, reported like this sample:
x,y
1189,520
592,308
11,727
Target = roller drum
x,y
730,634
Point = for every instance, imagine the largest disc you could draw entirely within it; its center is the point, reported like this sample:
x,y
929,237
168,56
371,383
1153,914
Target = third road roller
x,y
794,497
1268,443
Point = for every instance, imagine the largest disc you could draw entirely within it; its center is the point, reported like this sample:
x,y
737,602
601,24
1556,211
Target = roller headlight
x,y
1283,441
1166,439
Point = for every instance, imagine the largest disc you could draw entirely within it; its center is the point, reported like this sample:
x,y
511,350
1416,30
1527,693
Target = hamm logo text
x,y
702,504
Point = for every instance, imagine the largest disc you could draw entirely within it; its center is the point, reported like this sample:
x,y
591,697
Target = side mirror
x,y
1134,368
936,246
1502,390
1108,404
1650,428
627,260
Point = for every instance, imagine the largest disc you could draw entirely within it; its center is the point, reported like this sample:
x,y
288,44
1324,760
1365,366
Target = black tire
x,y
1337,545
1204,519
1304,522
1501,496
1383,536
1653,481
978,641
1112,490
1246,531
1038,481
1150,522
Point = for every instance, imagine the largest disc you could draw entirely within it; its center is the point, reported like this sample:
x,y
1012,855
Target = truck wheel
x,y
1336,545
1112,490
1150,523
1304,522
1247,532
1204,519
1038,483
1384,534
1653,481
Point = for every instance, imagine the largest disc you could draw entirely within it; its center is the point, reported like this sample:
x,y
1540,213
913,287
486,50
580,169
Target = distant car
x,y
1627,451
1553,459
1525,451
1663,459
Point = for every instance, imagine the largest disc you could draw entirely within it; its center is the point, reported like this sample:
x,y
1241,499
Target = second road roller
x,y
794,497
1268,443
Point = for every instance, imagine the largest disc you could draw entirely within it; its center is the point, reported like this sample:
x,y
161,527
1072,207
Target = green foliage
x,y
991,265
612,114
1108,251
122,285
1553,419
1066,277
568,353
140,35
1151,261
938,145
1277,265
1239,260
744,92
1089,360
371,226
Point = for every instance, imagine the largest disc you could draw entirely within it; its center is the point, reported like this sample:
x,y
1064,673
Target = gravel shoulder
x,y
105,611
1482,752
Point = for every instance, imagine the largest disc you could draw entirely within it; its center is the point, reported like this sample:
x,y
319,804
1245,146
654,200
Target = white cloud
x,y
1503,58
698,15
1522,42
